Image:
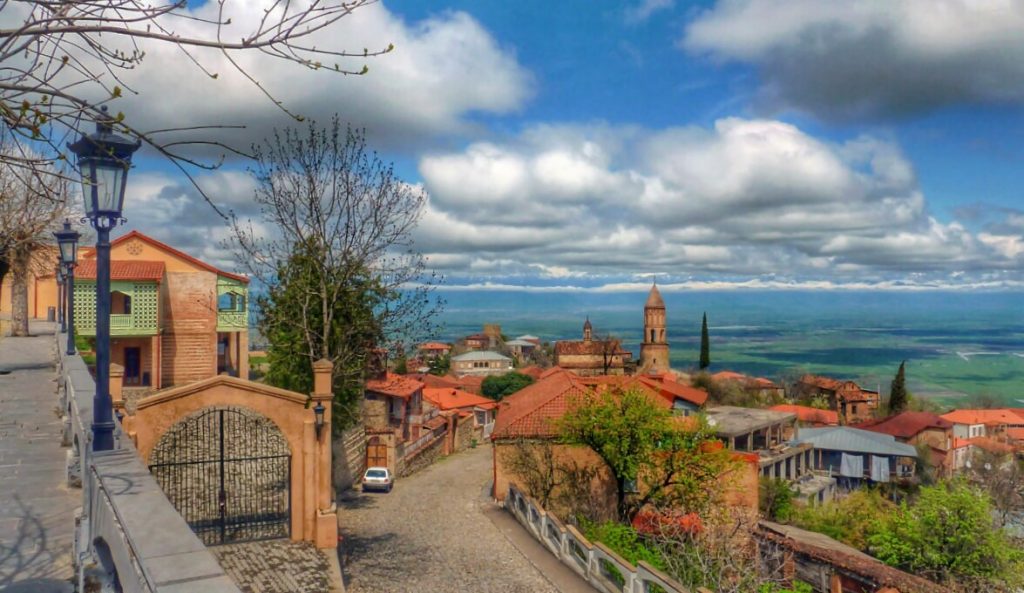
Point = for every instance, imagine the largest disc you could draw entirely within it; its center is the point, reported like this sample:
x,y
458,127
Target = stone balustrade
x,y
600,566
128,535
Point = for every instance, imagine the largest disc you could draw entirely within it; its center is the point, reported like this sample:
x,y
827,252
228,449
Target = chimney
x,y
377,364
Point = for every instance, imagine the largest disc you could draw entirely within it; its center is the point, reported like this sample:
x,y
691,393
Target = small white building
x,y
481,362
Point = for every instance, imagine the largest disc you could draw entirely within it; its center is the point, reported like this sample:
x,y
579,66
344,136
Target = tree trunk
x,y
21,259
620,498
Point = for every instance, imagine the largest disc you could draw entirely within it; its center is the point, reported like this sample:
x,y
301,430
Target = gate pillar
x,y
322,509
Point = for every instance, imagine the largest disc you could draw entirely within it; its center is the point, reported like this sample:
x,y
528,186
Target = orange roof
x,y
123,270
842,389
531,371
740,377
165,247
990,417
434,346
670,389
809,414
395,386
906,424
1016,434
591,348
533,410
990,445
447,399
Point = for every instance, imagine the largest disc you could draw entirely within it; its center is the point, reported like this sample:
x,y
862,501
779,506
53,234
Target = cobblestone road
x,y
431,534
275,566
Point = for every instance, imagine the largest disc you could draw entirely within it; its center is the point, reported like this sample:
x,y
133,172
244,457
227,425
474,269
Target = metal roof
x,y
854,440
520,343
732,421
480,355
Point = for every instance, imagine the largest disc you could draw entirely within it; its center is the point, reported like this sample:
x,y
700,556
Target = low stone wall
x,y
600,566
128,537
348,457
421,458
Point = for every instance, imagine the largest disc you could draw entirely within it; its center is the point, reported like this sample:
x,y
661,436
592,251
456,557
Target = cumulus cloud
x,y
863,58
443,70
745,197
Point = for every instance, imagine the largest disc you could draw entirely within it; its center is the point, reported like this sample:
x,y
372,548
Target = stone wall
x,y
420,459
465,432
349,457
375,412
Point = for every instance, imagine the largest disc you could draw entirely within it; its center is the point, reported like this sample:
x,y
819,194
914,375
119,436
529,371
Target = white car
x,y
377,478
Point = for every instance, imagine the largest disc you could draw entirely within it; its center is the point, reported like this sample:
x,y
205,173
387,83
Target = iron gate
x,y
228,472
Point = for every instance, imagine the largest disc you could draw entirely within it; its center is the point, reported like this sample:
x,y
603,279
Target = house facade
x,y
481,363
174,318
856,457
852,402
40,284
592,357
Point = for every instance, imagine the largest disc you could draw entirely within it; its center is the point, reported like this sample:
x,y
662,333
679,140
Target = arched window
x,y
231,301
652,335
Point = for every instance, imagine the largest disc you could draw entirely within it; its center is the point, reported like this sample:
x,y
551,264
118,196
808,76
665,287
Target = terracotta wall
x,y
189,341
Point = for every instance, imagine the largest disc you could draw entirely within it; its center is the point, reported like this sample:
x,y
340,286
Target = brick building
x,y
852,402
174,319
590,357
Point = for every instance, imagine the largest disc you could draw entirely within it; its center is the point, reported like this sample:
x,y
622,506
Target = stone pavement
x,y
36,507
433,532
275,566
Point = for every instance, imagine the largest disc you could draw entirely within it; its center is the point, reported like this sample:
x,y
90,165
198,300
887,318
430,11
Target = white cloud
x,y
443,69
642,11
867,58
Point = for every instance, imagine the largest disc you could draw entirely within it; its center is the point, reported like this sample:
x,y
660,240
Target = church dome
x,y
654,298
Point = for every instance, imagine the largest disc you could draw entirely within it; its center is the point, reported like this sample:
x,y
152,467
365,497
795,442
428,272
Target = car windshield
x,y
376,473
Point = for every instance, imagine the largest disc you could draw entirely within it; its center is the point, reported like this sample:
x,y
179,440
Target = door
x,y
132,366
376,453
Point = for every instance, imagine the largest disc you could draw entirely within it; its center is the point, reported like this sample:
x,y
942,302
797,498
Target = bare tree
x,y
1002,476
334,246
30,207
61,61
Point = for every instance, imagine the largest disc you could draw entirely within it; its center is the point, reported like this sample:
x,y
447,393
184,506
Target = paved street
x,y
275,566
36,508
438,530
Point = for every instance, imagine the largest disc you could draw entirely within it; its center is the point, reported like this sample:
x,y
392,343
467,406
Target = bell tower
x,y
588,330
654,348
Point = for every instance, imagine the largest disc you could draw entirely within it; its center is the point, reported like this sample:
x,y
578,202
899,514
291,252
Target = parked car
x,y
377,478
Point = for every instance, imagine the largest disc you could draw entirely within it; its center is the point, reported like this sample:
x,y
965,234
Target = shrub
x,y
624,541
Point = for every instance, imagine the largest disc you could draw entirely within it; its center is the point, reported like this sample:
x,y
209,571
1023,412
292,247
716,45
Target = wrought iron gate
x,y
228,472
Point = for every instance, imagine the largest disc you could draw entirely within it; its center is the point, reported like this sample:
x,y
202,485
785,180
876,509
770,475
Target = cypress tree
x,y
705,344
898,391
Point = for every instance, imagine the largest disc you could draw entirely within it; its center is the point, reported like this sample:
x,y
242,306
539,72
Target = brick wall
x,y
189,341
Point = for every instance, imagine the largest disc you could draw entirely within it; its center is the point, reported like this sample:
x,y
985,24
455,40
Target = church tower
x,y
588,330
654,348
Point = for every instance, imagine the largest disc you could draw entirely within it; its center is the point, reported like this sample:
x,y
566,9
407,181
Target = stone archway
x,y
227,471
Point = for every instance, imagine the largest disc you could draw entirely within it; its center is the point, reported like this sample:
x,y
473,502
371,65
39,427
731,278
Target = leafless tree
x,y
1002,476
61,61
333,243
30,208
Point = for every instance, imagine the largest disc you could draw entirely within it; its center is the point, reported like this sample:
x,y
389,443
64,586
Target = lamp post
x,y
103,159
58,273
67,240
318,414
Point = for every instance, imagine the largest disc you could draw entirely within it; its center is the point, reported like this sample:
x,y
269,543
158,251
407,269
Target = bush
x,y
624,541
851,520
775,498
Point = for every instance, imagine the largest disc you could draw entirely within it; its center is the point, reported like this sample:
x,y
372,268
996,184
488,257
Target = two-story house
x,y
174,319
852,402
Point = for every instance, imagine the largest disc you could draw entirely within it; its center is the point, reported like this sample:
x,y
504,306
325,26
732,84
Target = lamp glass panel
x,y
74,250
88,182
109,178
65,251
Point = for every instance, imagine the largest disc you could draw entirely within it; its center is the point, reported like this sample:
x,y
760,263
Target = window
x,y
231,301
120,303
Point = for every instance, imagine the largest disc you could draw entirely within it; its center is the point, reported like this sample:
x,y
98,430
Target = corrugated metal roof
x,y
481,355
853,440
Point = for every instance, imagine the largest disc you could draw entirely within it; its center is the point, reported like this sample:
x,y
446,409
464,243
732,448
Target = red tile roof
x,y
1016,434
670,389
395,385
990,445
906,424
447,399
165,247
123,270
533,410
989,417
809,414
434,346
611,347
845,390
741,378
531,371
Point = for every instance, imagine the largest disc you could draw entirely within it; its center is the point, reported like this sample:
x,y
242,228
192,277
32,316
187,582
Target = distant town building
x,y
852,402
759,386
521,349
590,357
476,342
433,350
528,338
481,363
858,457
925,428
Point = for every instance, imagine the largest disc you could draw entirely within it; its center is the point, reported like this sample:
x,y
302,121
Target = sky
x,y
715,144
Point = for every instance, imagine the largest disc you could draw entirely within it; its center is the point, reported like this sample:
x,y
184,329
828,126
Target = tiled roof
x,y
854,440
531,371
533,410
591,348
395,385
906,424
842,389
672,390
1016,434
997,416
434,346
123,270
809,414
741,378
165,247
990,445
448,399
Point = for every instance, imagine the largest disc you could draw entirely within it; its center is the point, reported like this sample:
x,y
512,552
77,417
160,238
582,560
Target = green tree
x,y
498,386
648,450
705,344
333,247
775,498
441,365
948,535
851,519
898,398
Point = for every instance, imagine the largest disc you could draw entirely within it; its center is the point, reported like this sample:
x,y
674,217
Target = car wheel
x,y
390,486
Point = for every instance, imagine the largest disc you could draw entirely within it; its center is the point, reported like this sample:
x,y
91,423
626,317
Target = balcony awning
x,y
152,271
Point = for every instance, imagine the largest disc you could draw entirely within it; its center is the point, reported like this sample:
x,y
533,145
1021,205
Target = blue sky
x,y
721,143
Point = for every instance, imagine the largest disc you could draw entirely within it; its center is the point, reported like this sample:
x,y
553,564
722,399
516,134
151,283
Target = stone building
x,y
174,319
852,402
481,363
654,348
590,357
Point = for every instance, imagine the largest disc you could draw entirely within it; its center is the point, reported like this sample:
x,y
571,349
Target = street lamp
x,y
58,274
67,240
103,159
318,413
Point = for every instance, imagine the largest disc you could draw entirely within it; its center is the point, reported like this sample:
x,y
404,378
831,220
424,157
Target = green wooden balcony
x,y
232,305
232,321
135,306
